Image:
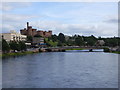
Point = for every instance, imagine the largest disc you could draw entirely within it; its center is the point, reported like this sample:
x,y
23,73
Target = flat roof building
x,y
13,36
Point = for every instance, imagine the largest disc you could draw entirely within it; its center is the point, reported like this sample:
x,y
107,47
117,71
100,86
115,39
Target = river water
x,y
71,69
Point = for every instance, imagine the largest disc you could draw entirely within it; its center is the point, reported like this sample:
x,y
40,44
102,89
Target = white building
x,y
13,36
100,42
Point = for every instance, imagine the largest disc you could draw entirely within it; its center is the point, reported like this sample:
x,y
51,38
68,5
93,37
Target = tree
x,y
91,40
14,45
5,46
79,41
111,42
61,37
22,46
59,43
54,38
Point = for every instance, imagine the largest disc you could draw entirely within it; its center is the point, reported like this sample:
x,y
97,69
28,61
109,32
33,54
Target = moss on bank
x,y
16,54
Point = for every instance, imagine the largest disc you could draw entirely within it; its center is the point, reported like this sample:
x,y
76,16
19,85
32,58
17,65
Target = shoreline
x,y
75,49
115,52
16,54
32,52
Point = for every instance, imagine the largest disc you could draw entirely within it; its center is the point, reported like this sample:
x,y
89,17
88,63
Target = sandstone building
x,y
13,36
29,31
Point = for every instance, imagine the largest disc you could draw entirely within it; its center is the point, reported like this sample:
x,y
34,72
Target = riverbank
x,y
111,51
16,54
75,49
36,51
117,52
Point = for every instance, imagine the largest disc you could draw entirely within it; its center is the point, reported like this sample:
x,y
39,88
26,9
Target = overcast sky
x,y
83,18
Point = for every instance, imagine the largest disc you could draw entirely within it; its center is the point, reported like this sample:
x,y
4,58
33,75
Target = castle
x,y
29,31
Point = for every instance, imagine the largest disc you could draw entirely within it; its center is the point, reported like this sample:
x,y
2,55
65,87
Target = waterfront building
x,y
29,31
13,36
100,42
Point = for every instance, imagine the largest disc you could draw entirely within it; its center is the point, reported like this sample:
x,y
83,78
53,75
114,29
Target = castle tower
x,y
27,25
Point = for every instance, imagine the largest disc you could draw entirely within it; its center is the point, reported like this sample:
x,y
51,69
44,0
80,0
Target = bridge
x,y
90,48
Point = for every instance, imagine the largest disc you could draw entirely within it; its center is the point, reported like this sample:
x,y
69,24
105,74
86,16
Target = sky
x,y
83,18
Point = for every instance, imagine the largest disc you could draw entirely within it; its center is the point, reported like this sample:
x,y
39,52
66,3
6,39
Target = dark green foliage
x,y
112,41
79,41
19,46
59,43
91,40
5,46
14,45
106,50
54,38
61,37
29,38
22,46
83,40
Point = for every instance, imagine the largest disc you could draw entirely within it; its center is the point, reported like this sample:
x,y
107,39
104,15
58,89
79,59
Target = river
x,y
71,69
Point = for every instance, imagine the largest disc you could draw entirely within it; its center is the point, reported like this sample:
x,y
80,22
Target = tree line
x,y
78,40
13,45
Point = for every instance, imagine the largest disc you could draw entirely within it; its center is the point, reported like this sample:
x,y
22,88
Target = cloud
x,y
7,6
6,27
14,21
16,17
112,19
102,29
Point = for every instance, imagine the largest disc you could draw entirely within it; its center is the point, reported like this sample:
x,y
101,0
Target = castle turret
x,y
27,25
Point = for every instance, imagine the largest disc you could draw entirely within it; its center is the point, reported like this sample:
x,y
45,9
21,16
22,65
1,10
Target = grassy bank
x,y
109,51
16,54
116,52
74,49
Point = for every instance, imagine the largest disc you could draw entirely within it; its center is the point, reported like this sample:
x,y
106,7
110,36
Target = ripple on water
x,y
61,70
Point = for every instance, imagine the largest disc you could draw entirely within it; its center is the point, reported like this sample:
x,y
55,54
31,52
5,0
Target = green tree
x,y
54,38
59,43
14,45
112,42
79,41
91,40
61,37
5,46
22,46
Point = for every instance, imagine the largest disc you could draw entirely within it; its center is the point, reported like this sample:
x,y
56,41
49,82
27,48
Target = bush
x,y
106,50
19,46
